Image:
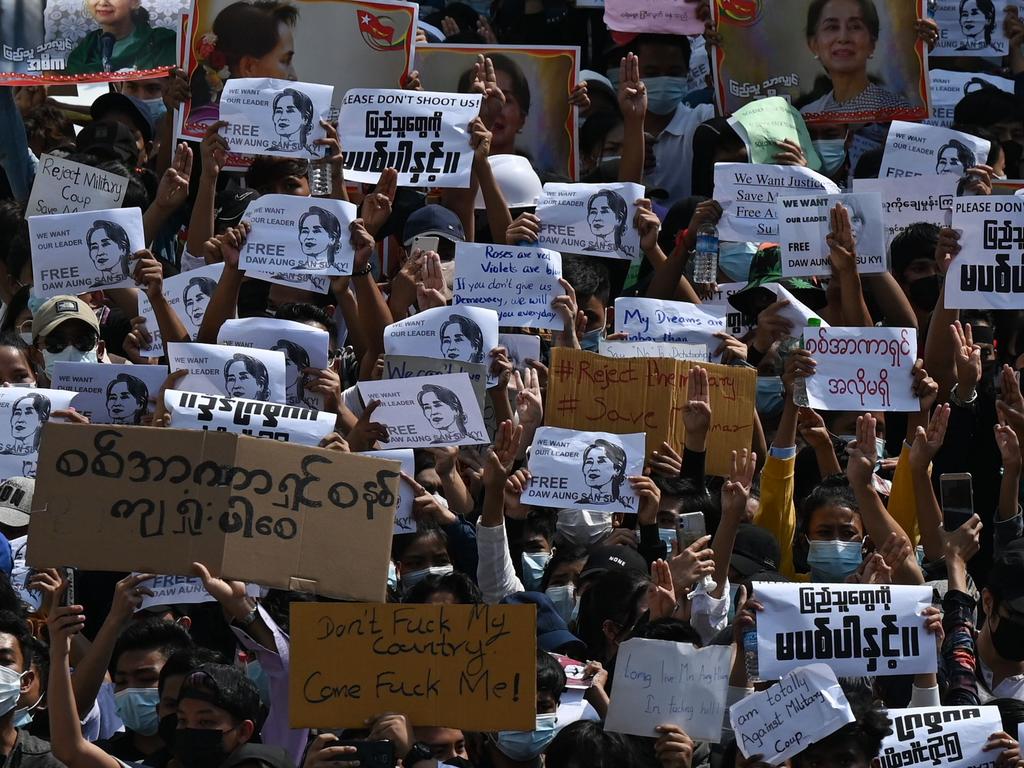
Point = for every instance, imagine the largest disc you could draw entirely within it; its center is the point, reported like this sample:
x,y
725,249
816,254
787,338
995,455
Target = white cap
x,y
519,183
590,77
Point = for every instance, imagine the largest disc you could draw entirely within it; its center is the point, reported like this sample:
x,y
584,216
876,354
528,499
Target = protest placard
x,y
303,347
577,469
188,295
748,194
779,722
217,369
735,323
64,186
427,410
913,149
407,366
274,117
460,666
256,418
857,629
303,281
463,333
987,273
675,350
521,347
546,132
174,590
295,235
796,312
21,573
768,51
948,87
423,135
111,393
404,521
660,681
971,28
804,223
862,369
953,737
676,321
519,283
158,500
23,413
929,200
669,17
73,253
762,124
591,219
593,393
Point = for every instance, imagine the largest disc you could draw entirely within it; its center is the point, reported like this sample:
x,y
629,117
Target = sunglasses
x,y
55,345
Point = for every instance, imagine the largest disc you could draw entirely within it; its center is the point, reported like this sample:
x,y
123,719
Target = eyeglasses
x,y
55,345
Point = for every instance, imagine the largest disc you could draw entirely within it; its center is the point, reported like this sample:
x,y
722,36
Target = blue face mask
x,y
667,535
833,152
255,672
137,709
833,561
734,259
564,600
664,93
592,339
411,578
156,108
35,301
534,564
769,395
527,745
23,717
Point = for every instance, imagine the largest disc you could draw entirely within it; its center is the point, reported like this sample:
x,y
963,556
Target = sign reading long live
x,y
422,134
987,274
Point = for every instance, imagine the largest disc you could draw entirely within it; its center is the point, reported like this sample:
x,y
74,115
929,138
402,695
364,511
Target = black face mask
x,y
1012,152
167,728
199,747
1008,640
924,292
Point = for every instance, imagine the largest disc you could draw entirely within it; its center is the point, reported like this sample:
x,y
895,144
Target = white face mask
x,y
583,527
70,354
10,689
410,578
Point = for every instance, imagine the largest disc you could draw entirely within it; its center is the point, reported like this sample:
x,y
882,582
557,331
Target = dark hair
x,y
619,207
250,29
964,154
40,404
502,63
586,744
612,596
153,634
304,312
205,284
227,688
116,233
870,725
329,222
676,630
298,356
463,589
305,106
989,10
14,625
915,242
550,675
588,276
647,38
563,553
137,389
186,660
39,121
867,8
40,657
1011,711
471,331
447,397
266,171
832,490
255,368
402,541
13,339
617,454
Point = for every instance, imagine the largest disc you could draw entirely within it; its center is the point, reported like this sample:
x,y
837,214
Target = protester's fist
x,y
673,748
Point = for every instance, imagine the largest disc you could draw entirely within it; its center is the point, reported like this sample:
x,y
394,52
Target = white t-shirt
x,y
673,152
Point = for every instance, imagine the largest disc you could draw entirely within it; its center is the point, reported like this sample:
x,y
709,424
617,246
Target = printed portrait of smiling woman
x,y
604,472
127,399
294,117
461,339
607,217
245,376
28,414
319,238
109,251
123,41
977,23
443,411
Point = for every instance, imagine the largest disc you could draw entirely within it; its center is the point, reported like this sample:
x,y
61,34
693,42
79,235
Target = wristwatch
x,y
417,753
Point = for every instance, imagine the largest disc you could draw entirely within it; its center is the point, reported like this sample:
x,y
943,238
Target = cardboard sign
x,y
407,366
423,135
303,347
591,219
949,87
466,334
157,500
748,194
623,396
805,706
188,294
953,737
73,253
286,423
296,235
856,629
23,414
676,351
659,681
669,17
987,274
676,321
404,521
111,393
588,470
965,29
862,369
929,199
274,117
518,283
217,369
64,186
427,410
912,149
762,124
804,223
461,666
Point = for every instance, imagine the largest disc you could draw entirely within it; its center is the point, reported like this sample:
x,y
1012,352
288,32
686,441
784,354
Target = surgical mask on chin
x,y
833,561
137,709
527,745
769,395
664,93
564,600
155,107
534,564
23,717
667,535
833,153
70,354
591,340
734,259
1008,640
583,527
411,578
10,689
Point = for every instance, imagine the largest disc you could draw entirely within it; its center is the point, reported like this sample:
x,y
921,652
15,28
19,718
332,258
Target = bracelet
x,y
957,400
364,271
247,621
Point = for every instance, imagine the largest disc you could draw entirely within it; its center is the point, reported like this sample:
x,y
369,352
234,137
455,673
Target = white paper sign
x,y
255,418
987,274
521,347
73,253
856,629
805,706
592,219
421,134
748,194
948,87
953,737
21,573
64,186
929,200
292,234
217,369
274,117
584,470
303,346
677,351
460,333
303,281
23,412
804,223
517,283
966,28
188,295
427,410
660,681
676,321
798,313
913,149
111,394
404,521
734,321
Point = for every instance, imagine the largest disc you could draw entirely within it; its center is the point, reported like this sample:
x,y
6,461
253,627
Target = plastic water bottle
x,y
319,175
750,654
705,261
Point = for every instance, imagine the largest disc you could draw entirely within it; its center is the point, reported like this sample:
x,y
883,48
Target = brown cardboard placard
x,y
157,500
462,666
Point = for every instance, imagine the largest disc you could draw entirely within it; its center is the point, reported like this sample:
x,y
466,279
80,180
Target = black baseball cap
x,y
110,106
756,549
109,141
433,219
614,558
1006,578
229,206
227,688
